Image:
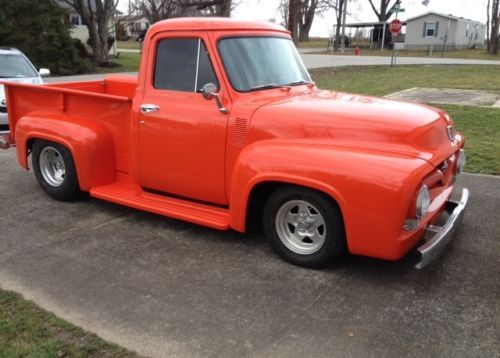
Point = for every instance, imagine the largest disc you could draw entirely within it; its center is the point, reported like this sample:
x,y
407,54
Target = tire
x,y
55,170
304,227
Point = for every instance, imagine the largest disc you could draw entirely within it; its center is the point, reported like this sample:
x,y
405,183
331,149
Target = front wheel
x,y
304,227
55,170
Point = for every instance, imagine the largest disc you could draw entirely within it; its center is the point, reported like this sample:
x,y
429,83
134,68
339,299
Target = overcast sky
x,y
360,10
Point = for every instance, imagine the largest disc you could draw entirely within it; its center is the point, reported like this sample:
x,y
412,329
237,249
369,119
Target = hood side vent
x,y
240,131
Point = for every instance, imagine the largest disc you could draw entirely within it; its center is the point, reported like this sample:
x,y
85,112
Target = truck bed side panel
x,y
89,100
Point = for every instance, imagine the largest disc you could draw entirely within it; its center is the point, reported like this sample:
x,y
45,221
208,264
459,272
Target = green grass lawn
x,y
131,44
382,80
126,62
480,125
28,331
319,43
476,54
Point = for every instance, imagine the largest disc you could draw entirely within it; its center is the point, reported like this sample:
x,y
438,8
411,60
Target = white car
x,y
15,66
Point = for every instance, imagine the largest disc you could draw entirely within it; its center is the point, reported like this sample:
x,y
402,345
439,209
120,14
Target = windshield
x,y
15,66
254,63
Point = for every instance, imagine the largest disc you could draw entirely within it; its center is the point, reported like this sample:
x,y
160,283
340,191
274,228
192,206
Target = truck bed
x,y
108,101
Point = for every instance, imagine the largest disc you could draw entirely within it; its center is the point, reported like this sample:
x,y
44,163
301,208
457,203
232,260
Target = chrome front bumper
x,y
439,236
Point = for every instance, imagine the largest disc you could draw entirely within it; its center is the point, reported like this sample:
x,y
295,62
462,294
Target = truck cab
x,y
224,127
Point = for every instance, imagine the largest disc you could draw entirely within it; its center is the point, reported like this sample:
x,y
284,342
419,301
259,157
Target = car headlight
x,y
460,161
423,201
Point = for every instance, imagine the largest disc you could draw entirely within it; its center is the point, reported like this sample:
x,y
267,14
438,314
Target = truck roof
x,y
213,23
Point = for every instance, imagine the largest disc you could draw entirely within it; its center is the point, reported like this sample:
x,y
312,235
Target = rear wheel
x,y
304,227
55,170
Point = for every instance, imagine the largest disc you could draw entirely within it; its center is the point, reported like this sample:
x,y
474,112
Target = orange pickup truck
x,y
223,127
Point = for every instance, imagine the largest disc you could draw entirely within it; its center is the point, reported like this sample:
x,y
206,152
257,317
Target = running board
x,y
202,214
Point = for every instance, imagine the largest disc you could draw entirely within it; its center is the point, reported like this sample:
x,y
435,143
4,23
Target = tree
x,y
302,13
307,10
38,29
156,10
292,18
96,15
214,7
493,26
384,11
339,9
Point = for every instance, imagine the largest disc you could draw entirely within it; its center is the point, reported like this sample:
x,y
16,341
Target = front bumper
x,y
439,236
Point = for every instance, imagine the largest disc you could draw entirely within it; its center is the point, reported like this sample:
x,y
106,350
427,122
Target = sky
x,y
360,11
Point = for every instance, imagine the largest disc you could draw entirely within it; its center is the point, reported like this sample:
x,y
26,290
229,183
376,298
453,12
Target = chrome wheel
x,y
52,166
301,227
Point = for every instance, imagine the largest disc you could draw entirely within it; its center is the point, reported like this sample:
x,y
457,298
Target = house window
x,y
75,20
430,30
467,31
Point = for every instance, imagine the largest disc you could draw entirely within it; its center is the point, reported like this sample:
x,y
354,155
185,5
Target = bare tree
x,y
307,10
156,10
96,15
488,26
283,10
214,7
293,6
304,13
383,12
339,9
494,20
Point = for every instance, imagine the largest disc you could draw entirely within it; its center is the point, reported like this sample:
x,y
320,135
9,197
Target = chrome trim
x,y
460,161
451,133
441,235
148,108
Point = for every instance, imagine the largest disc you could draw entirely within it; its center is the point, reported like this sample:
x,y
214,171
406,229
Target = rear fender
x,y
89,142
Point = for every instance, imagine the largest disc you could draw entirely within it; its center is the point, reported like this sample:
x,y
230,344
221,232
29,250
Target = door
x,y
182,136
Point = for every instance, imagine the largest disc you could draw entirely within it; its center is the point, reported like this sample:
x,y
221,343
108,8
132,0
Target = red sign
x,y
395,26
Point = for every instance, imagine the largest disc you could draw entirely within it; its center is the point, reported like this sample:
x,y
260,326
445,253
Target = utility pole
x,y
342,37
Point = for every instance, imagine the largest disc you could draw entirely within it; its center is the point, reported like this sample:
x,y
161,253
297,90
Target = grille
x,y
3,109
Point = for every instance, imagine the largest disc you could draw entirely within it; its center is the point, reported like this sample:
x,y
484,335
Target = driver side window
x,y
183,65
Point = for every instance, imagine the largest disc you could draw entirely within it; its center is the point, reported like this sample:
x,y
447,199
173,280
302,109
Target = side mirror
x,y
44,72
209,91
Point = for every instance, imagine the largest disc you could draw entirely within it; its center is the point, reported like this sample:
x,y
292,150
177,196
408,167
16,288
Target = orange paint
x,y
370,155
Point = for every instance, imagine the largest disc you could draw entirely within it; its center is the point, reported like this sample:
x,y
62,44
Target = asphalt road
x,y
164,288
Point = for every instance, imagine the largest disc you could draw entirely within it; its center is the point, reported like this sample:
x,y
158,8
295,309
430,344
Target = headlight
x,y
423,201
460,161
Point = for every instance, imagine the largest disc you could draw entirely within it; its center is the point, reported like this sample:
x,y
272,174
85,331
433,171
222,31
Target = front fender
x,y
89,142
373,189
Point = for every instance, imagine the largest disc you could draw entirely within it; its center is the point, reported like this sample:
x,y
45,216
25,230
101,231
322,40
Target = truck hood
x,y
356,121
33,80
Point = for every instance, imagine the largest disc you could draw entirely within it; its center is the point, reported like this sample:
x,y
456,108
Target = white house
x,y
434,29
134,25
79,29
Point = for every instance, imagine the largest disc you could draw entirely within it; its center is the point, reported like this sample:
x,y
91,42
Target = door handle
x,y
148,108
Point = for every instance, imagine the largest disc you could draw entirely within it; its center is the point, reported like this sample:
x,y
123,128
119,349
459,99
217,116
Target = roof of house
x,y
214,23
448,16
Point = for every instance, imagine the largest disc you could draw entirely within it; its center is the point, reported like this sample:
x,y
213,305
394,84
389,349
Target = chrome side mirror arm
x,y
209,91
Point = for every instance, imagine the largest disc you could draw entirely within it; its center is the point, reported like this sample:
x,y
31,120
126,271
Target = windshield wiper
x,y
301,82
268,86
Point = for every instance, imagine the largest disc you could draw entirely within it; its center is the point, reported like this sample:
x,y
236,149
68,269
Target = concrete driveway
x,y
167,288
